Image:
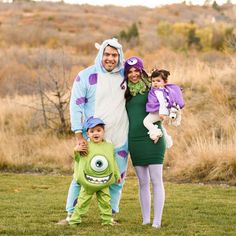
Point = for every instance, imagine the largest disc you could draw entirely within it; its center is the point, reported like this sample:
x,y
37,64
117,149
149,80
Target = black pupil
x,y
99,163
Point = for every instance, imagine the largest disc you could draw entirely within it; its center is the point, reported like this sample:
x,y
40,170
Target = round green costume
x,y
142,149
95,173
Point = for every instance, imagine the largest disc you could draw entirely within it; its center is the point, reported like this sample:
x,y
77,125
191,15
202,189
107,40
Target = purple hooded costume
x,y
172,93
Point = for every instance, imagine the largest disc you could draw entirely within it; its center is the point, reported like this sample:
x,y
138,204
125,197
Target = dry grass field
x,y
204,145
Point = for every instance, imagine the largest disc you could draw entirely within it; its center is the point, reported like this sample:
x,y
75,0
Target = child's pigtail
x,y
164,74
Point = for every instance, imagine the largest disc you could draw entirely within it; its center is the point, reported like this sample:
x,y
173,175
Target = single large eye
x,y
99,163
132,61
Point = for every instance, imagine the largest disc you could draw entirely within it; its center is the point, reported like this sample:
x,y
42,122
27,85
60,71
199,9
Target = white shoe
x,y
146,223
157,226
169,141
155,134
154,137
64,221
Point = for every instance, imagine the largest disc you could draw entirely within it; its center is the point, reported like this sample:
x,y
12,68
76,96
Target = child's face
x,y
96,133
157,82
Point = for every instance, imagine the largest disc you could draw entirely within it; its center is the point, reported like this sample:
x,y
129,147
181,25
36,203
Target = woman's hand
x,y
163,117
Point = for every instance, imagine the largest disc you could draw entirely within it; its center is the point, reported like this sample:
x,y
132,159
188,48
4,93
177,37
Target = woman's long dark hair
x,y
128,95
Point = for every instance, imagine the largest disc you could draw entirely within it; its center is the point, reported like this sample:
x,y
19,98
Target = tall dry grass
x,y
204,145
25,144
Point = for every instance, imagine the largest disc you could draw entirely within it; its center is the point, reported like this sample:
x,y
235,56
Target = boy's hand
x,y
119,180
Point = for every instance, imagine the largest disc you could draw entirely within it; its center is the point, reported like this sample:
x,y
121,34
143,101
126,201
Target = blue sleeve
x,y
77,103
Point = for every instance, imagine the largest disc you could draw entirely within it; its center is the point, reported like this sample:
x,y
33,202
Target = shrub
x,y
184,36
132,33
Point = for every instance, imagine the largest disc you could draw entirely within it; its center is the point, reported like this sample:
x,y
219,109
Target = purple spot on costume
x,y
93,79
122,153
77,78
122,175
75,202
81,100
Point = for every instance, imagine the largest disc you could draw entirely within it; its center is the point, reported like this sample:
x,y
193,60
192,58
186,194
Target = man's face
x,y
110,58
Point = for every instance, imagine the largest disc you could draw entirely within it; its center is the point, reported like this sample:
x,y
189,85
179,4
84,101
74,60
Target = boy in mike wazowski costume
x,y
95,172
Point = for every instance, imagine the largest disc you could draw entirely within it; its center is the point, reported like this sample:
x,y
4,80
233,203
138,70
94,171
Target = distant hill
x,y
34,35
33,24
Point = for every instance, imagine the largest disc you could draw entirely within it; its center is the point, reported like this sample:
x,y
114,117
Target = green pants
x,y
83,203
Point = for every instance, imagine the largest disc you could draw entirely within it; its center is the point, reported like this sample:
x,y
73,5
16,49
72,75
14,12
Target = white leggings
x,y
144,173
150,119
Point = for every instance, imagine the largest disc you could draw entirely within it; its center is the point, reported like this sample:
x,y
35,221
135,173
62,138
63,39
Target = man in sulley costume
x,y
99,91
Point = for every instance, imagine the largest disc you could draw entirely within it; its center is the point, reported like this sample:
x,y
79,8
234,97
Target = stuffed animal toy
x,y
175,115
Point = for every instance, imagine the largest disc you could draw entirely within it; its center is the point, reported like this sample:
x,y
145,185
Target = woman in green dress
x,y
147,157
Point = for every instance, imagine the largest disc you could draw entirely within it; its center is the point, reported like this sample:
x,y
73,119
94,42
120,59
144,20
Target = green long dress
x,y
142,149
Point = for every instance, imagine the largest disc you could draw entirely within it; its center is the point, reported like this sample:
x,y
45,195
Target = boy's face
x,y
96,134
157,82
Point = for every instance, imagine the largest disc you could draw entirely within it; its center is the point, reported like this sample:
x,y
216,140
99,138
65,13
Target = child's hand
x,y
119,180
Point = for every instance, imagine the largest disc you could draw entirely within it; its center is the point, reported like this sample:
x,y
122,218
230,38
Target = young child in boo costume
x,y
95,172
162,99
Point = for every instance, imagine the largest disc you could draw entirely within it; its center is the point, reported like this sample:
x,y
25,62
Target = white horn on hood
x,y
97,45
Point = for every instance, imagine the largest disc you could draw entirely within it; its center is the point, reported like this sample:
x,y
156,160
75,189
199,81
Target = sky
x,y
147,3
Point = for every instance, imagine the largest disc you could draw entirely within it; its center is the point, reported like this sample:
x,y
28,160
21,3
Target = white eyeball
x,y
132,61
99,163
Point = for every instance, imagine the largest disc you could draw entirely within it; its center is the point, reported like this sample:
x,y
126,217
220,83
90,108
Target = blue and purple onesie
x,y
99,93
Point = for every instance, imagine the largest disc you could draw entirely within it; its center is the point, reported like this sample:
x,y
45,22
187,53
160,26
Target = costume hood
x,y
135,62
98,60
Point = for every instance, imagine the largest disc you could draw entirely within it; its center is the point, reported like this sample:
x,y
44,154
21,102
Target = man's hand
x,y
82,145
